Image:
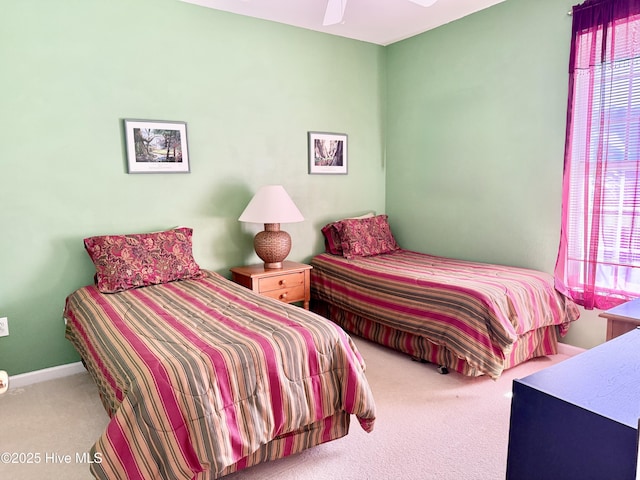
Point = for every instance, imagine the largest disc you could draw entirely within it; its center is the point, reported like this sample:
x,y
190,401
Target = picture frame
x,y
328,153
156,146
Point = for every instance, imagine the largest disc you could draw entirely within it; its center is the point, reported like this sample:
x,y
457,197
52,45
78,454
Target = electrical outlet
x,y
4,327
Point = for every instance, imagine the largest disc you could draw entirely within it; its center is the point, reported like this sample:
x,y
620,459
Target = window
x,y
599,256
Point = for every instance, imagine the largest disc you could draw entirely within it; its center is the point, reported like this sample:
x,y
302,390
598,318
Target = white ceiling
x,y
375,21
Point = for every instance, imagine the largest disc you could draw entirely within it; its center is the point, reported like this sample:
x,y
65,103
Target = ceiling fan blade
x,y
334,12
424,3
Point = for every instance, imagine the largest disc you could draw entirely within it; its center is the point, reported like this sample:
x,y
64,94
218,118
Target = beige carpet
x,y
429,426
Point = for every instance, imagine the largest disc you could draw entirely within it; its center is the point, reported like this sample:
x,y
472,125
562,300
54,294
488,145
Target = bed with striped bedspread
x,y
203,377
475,318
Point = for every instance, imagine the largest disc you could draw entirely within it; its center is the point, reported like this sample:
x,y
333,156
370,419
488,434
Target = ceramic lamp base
x,y
272,245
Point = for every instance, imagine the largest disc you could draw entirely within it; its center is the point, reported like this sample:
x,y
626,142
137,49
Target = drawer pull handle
x,y
283,296
283,282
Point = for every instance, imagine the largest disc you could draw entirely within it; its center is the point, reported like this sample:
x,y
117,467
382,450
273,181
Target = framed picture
x,y
327,153
156,146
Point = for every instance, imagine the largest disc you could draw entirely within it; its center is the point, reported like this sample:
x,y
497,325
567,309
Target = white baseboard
x,y
24,379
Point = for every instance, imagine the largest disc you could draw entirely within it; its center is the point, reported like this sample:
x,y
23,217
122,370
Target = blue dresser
x,y
578,419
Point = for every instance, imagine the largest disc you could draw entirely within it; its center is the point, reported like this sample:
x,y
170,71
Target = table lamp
x,y
272,206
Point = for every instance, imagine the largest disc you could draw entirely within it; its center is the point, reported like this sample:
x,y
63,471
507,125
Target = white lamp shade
x,y
271,204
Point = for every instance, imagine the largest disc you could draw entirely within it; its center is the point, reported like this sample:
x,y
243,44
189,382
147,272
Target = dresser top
x,y
629,311
604,379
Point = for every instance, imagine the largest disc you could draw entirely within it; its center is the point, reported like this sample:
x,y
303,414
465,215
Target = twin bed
x,y
473,318
202,377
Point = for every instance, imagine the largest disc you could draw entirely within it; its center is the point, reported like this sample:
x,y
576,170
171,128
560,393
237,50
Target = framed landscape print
x,y
327,153
155,146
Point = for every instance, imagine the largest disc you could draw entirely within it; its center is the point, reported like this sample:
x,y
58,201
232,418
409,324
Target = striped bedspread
x,y
199,375
477,311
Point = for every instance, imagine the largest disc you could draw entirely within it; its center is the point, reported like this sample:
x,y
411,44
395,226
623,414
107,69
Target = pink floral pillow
x,y
332,240
136,260
366,237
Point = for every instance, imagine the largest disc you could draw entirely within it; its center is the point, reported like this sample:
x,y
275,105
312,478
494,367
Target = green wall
x,y
249,90
476,134
475,139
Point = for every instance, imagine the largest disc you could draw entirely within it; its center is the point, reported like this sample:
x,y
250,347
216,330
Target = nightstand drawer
x,y
288,281
289,284
292,294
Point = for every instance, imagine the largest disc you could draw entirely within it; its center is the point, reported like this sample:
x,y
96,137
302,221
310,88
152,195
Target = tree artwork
x,y
157,145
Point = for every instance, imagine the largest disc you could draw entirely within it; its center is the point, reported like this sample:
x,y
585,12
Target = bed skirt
x,y
536,343
330,428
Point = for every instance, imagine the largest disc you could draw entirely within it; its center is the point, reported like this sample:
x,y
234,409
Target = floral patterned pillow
x,y
137,260
366,237
332,240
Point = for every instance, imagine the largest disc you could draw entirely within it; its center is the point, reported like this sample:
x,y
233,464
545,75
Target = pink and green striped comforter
x,y
203,377
476,311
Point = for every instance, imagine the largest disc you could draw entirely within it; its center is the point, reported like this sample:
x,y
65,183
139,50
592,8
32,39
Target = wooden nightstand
x,y
289,284
622,319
